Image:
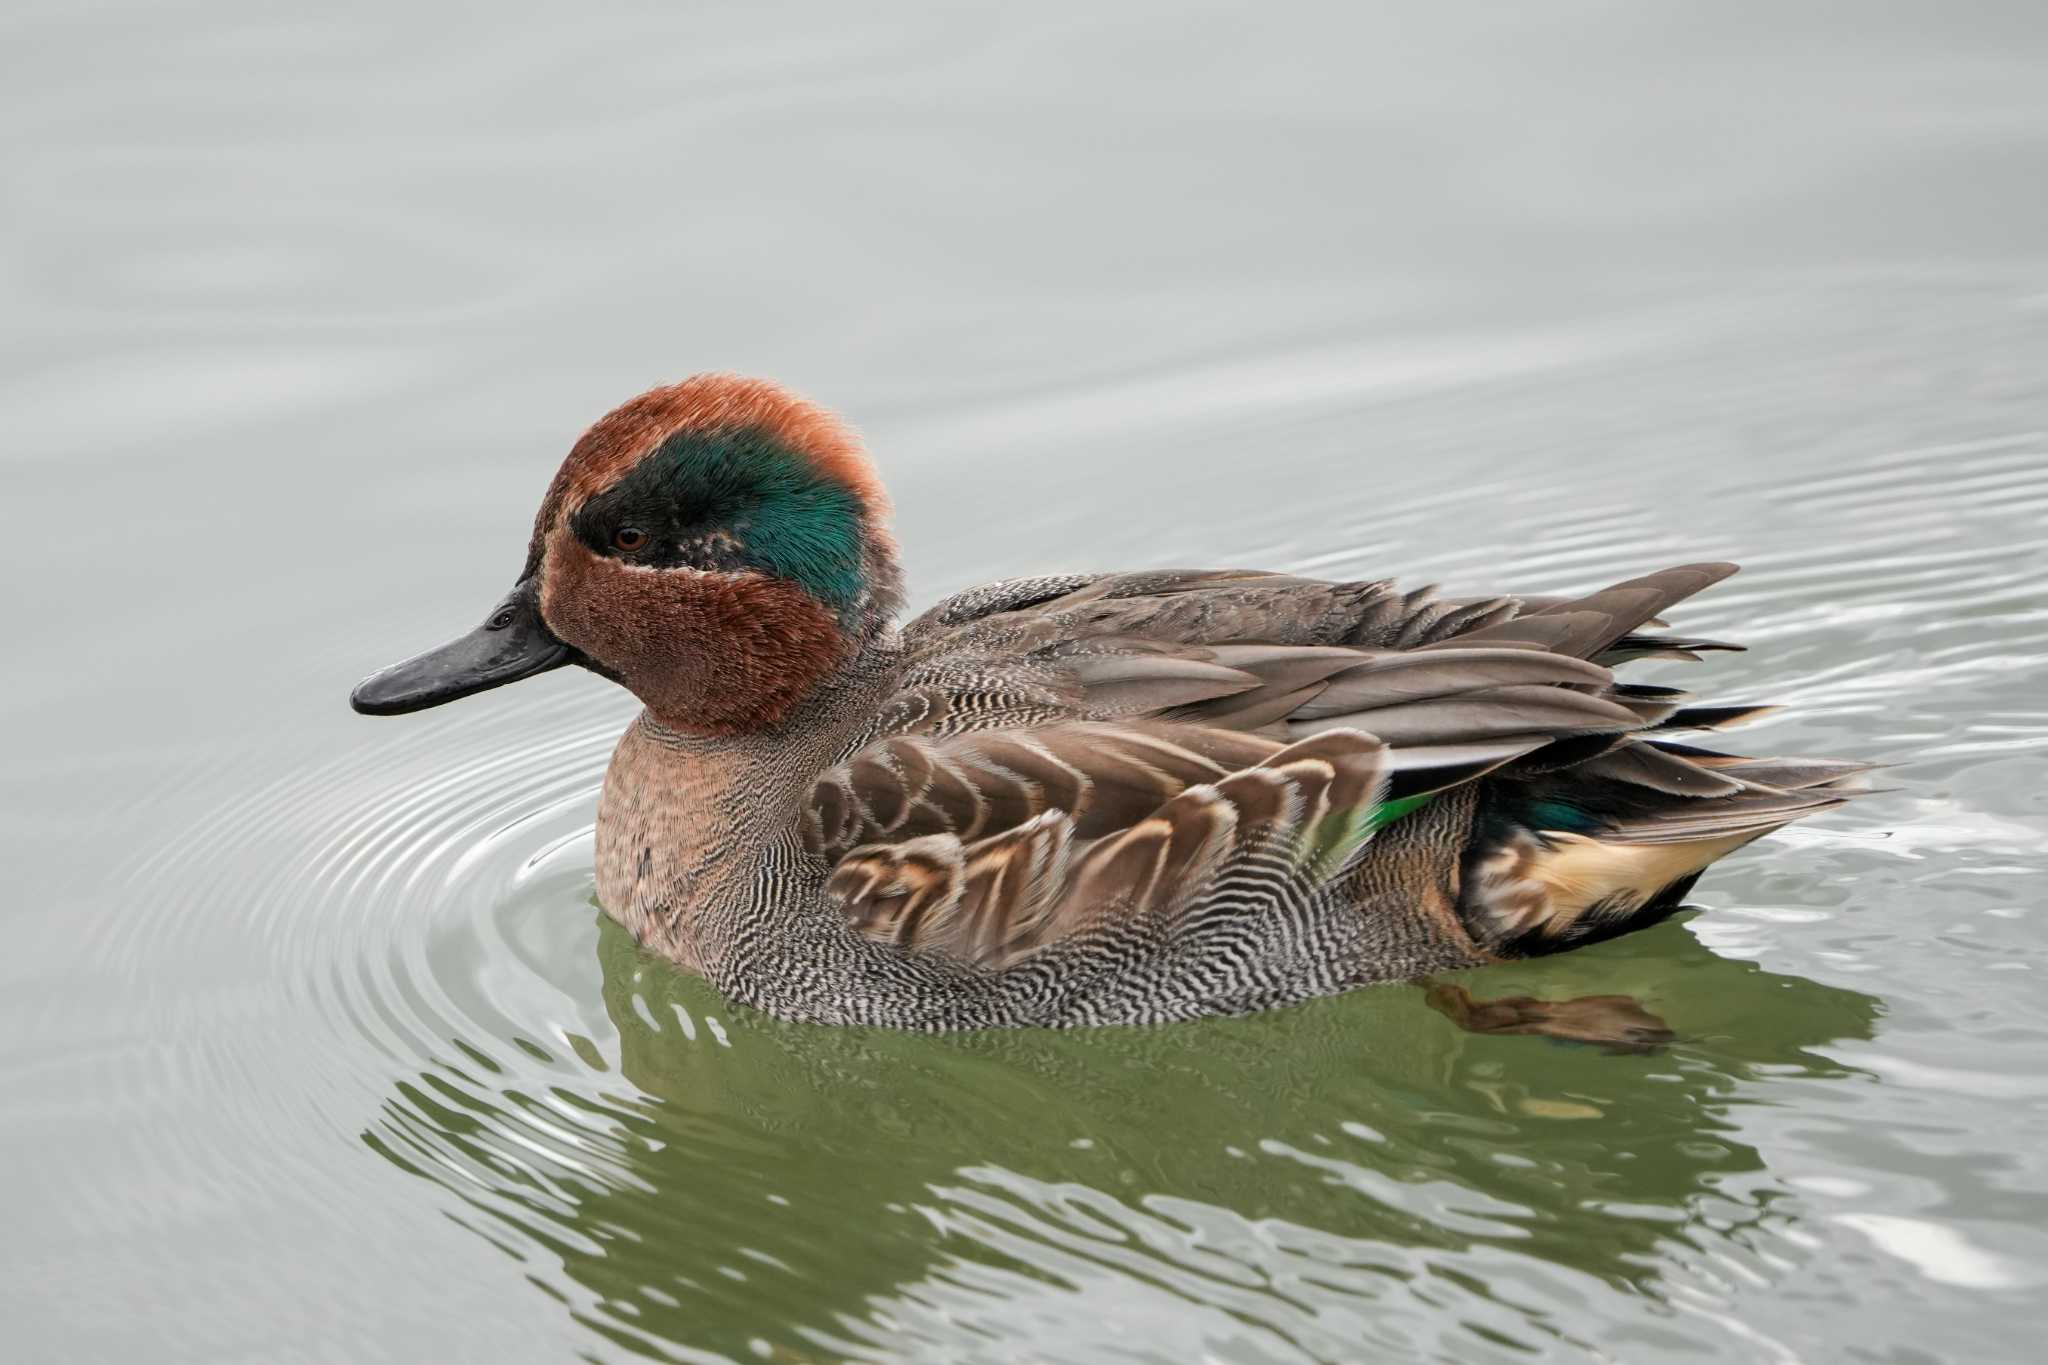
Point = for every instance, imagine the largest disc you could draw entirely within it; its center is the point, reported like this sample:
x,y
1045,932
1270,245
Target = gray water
x,y
312,1044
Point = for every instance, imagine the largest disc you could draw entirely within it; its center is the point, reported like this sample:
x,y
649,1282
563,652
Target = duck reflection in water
x,y
1355,1154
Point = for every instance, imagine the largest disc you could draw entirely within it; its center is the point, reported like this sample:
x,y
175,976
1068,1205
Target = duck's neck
x,y
687,821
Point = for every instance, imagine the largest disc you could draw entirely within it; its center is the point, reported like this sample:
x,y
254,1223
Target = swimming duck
x,y
1083,798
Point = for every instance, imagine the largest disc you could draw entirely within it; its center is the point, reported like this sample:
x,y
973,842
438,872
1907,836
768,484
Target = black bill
x,y
513,643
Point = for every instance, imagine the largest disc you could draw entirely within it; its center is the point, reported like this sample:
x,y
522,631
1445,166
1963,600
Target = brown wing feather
x,y
1306,810
983,902
1063,748
1102,776
994,901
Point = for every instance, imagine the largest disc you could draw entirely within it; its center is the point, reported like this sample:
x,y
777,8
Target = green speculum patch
x,y
1387,812
735,500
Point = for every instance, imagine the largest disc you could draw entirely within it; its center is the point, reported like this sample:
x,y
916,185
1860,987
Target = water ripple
x,y
1350,1176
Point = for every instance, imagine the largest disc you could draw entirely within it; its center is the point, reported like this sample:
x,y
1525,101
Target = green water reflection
x,y
811,1192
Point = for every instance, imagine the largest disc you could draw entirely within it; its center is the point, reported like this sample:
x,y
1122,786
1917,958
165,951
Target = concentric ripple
x,y
1353,1177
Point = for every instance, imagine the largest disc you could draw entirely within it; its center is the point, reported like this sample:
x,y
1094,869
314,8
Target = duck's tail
x,y
1597,850
1588,839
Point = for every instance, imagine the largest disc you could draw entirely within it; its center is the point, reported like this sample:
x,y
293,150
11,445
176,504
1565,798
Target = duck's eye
x,y
629,538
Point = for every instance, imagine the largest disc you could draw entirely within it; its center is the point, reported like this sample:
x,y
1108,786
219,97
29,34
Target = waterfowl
x,y
1084,798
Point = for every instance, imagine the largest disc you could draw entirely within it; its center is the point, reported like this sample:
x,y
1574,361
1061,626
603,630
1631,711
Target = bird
x,y
1087,798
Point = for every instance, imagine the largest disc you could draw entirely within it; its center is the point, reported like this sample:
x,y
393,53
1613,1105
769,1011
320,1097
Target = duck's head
x,y
719,546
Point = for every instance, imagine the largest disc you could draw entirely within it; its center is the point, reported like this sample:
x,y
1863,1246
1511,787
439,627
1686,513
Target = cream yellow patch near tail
x,y
1553,888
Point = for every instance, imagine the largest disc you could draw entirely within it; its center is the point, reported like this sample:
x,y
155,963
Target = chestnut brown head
x,y
718,546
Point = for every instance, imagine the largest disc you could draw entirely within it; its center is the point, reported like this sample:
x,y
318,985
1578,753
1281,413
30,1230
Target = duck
x,y
1088,798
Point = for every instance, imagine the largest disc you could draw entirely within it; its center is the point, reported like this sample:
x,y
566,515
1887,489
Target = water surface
x,y
315,1047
